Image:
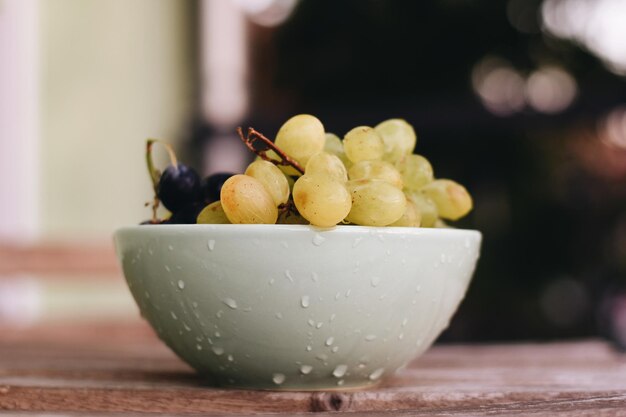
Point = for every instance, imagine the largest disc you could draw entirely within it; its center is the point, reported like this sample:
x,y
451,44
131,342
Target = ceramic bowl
x,y
295,307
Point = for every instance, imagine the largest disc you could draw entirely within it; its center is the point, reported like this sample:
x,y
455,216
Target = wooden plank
x,y
96,259
90,372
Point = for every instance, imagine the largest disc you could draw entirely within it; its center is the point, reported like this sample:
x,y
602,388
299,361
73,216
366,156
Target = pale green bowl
x,y
295,307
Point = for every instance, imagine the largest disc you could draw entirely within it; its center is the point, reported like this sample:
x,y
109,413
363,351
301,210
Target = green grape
x,y
399,138
426,207
301,137
377,169
322,201
334,145
375,202
440,224
288,170
452,199
213,214
410,218
246,201
329,165
272,178
416,171
363,143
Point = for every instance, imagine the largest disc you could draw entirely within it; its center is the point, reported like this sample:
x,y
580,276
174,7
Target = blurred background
x,y
522,101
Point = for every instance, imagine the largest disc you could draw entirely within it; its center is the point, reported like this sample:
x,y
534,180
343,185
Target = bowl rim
x,y
298,228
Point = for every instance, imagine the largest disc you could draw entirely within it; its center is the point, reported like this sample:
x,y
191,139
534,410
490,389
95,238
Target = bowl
x,y
294,307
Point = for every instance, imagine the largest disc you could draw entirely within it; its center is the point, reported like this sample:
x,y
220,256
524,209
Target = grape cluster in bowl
x,y
309,176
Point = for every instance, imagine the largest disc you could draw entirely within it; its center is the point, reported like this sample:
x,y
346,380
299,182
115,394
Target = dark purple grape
x,y
179,187
187,214
212,186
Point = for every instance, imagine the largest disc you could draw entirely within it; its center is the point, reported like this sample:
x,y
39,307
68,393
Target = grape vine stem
x,y
251,138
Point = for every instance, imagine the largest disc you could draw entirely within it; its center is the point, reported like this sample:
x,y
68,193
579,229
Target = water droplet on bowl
x,y
304,301
174,316
370,337
288,275
311,322
170,247
376,374
318,239
279,316
211,244
271,281
230,303
306,369
309,348
219,314
401,336
375,281
319,325
332,317
186,327
181,284
194,304
321,357
357,242
218,350
218,335
199,346
167,268
348,293
340,382
340,371
329,341
278,378
314,276
335,349
230,358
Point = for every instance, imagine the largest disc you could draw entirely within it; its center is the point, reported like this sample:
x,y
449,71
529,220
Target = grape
x,y
452,199
213,214
288,170
363,143
410,218
399,138
416,171
301,137
272,178
246,201
426,208
334,145
329,165
375,202
179,186
377,169
212,185
322,201
186,214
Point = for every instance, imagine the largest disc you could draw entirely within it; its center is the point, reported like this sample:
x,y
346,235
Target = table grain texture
x,y
112,369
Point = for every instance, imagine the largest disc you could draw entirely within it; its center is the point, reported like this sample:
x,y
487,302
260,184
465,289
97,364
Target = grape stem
x,y
155,174
254,135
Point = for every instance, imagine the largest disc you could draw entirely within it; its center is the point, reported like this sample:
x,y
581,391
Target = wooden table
x,y
110,369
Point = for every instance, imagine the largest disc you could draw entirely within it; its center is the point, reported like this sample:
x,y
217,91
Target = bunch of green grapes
x,y
371,177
